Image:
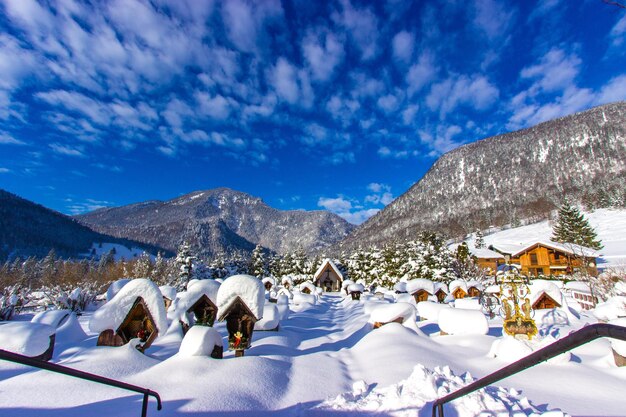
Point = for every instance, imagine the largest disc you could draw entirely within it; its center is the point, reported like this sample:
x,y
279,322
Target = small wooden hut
x,y
421,295
203,311
328,276
240,325
441,295
459,292
473,292
544,301
138,323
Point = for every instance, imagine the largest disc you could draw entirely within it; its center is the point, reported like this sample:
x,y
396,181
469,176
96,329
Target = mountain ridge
x,y
509,177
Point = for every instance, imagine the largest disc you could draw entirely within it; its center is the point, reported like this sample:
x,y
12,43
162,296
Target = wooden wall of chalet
x,y
548,257
441,295
473,292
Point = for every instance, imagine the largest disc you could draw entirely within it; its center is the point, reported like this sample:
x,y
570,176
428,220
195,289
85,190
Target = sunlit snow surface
x,y
325,360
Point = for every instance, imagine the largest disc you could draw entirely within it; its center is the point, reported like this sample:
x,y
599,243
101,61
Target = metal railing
x,y
569,342
25,360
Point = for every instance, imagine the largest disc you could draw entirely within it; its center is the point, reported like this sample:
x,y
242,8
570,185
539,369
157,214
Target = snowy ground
x,y
324,360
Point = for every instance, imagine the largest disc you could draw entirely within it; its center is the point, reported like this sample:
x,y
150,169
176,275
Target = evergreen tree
x,y
479,241
572,227
258,266
184,261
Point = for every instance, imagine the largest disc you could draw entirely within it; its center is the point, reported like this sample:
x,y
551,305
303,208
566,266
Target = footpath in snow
x,y
325,360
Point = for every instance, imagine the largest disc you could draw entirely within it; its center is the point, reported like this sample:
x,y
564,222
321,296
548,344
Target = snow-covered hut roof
x,y
542,286
461,321
400,286
112,314
187,299
417,284
386,313
271,280
115,287
168,292
458,283
440,286
323,266
248,288
475,284
346,283
309,285
286,280
485,253
356,288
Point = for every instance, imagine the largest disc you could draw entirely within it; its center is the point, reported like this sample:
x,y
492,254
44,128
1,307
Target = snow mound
x,y
400,287
468,303
619,346
200,341
271,280
115,287
301,298
270,320
246,287
460,321
188,298
430,311
112,314
25,338
386,313
68,329
54,318
412,396
611,309
510,349
308,285
405,298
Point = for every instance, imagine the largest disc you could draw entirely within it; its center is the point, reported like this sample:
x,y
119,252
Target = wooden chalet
x,y
421,295
459,292
544,301
487,259
328,276
473,291
550,258
138,323
240,325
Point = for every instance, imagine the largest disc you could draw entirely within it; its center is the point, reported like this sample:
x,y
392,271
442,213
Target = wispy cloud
x,y
67,150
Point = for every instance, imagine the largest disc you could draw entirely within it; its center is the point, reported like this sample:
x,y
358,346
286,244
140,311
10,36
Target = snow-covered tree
x,y
184,261
258,262
479,241
572,227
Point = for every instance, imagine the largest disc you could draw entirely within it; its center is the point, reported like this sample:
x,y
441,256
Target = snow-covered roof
x,y
112,314
200,341
115,287
441,286
307,284
541,286
271,318
485,253
246,287
430,310
417,284
271,280
356,288
323,266
346,283
458,283
517,249
187,299
168,292
475,284
400,286
386,313
611,309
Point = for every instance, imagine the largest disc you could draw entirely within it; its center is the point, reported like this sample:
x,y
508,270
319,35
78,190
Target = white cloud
x,y
474,91
408,114
386,152
388,103
614,90
421,73
4,170
344,208
244,21
362,25
556,71
403,44
382,194
442,140
618,32
67,150
217,107
284,79
86,206
79,103
323,52
493,17
7,139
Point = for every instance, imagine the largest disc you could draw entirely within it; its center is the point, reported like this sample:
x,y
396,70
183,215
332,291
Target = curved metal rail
x,y
53,367
569,342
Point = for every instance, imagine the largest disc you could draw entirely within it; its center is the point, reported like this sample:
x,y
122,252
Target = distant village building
x,y
549,258
328,276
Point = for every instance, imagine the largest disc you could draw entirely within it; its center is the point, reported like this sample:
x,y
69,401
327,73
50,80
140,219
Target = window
x,y
556,256
533,259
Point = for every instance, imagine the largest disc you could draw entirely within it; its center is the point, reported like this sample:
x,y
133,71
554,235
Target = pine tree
x,y
184,260
479,241
572,227
258,266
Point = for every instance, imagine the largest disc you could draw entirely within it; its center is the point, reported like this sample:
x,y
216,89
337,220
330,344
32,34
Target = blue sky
x,y
307,104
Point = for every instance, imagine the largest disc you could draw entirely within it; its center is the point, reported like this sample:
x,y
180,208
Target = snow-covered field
x,y
326,359
610,225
